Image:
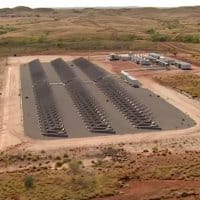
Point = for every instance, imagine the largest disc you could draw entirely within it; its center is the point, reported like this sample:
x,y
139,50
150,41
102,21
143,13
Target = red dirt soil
x,y
157,189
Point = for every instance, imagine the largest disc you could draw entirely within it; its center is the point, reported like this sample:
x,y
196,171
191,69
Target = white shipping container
x,y
183,65
130,79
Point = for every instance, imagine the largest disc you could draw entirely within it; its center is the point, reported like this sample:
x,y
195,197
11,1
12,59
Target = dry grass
x,y
56,185
187,83
103,178
101,22
2,71
23,31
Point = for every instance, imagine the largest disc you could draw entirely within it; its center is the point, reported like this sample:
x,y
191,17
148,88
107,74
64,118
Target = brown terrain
x,y
157,153
146,166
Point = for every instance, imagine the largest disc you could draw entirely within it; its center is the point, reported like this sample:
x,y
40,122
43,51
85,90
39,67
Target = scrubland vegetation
x,y
106,171
188,83
24,30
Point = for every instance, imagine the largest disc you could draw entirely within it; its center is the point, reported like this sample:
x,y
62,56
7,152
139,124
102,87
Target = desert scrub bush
x,y
173,24
60,43
83,181
91,185
100,163
155,149
38,39
6,29
126,37
58,164
150,31
43,152
65,156
187,38
57,158
189,83
29,182
167,171
59,185
158,37
75,166
97,163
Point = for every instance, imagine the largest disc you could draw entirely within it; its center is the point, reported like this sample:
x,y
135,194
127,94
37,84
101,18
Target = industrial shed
x,y
140,59
125,57
145,62
113,57
183,65
130,79
154,55
170,61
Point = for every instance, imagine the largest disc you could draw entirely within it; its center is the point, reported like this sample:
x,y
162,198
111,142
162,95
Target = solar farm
x,y
76,99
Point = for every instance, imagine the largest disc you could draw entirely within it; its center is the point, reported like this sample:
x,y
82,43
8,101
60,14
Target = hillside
x,y
46,30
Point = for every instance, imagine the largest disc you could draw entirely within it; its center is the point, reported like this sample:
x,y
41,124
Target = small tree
x,y
29,182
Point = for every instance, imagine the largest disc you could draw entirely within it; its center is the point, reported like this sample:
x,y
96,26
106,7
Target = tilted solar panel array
x,y
89,110
131,108
50,122
65,75
137,113
94,72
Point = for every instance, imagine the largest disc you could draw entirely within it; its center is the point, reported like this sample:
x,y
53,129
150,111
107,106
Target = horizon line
x,y
80,7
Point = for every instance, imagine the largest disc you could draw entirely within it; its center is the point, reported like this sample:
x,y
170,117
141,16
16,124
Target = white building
x,y
183,65
170,61
125,57
113,56
154,55
130,79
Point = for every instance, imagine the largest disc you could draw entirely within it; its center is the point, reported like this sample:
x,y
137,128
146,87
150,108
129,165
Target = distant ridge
x,y
28,9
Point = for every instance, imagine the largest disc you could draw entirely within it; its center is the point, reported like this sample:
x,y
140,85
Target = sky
x,y
97,3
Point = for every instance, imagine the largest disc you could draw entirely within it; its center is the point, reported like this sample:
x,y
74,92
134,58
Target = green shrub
x,y
126,37
173,24
188,38
158,37
83,181
150,31
155,149
60,43
29,182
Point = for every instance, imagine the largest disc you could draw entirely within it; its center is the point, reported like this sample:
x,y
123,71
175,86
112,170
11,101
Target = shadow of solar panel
x,y
49,119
